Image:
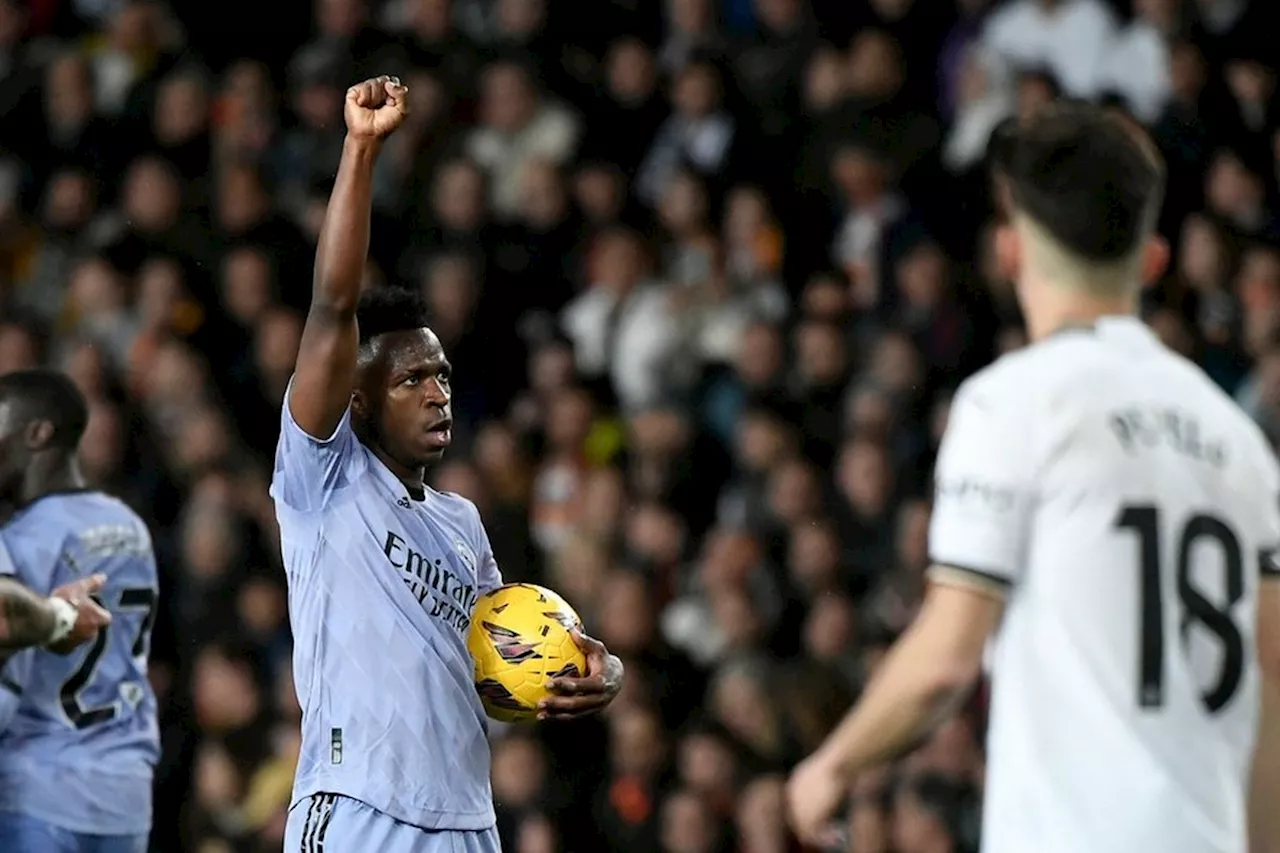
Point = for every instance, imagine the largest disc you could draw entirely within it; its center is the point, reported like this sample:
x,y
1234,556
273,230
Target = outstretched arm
x,y
325,372
26,619
926,675
982,507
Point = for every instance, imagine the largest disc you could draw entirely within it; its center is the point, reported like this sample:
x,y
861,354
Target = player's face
x,y
415,423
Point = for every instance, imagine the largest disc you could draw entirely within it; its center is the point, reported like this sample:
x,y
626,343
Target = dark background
x,y
707,289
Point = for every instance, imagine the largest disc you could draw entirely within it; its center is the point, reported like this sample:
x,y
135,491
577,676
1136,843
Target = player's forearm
x,y
344,237
1264,794
26,619
914,691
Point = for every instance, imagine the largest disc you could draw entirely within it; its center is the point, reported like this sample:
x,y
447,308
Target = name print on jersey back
x,y
1148,427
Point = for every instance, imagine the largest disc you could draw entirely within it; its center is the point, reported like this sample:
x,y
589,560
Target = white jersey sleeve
x,y
983,488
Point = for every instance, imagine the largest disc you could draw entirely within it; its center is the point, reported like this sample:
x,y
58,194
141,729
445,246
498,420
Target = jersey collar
x,y
1127,322
54,493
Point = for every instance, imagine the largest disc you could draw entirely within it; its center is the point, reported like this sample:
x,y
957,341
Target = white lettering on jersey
x,y
110,540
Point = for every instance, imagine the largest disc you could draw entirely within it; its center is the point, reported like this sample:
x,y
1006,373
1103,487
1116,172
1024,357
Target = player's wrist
x,y
831,758
361,145
64,619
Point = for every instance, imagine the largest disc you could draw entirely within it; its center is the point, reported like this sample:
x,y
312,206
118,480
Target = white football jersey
x,y
1127,508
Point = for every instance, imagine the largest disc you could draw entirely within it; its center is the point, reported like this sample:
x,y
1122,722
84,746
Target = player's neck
x,y
413,478
46,477
1057,309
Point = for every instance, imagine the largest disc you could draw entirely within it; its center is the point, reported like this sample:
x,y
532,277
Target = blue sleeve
x,y
311,472
32,551
7,568
488,575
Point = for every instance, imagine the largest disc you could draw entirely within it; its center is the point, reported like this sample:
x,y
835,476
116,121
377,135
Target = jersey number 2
x,y
1195,609
133,598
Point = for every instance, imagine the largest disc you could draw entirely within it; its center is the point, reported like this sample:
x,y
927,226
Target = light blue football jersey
x,y
80,749
14,670
381,592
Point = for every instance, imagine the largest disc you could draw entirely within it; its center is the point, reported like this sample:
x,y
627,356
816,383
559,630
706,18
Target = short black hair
x,y
390,309
1091,179
48,395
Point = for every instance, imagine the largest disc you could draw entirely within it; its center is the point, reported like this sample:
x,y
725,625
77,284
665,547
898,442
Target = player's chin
x,y
432,451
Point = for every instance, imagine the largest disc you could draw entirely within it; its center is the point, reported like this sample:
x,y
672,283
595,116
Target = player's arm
x,y
26,619
325,372
1264,817
981,511
925,677
61,621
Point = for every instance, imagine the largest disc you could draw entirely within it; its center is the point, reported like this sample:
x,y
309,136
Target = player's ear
x,y
38,433
359,404
1155,259
1008,251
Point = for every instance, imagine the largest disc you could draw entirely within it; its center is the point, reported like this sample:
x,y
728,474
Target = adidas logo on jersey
x,y
403,503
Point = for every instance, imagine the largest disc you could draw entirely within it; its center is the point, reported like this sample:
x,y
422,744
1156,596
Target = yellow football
x,y
519,638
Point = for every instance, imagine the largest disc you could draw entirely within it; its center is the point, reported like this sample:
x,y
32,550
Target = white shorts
x,y
338,824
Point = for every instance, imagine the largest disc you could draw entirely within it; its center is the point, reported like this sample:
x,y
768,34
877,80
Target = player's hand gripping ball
x,y
520,639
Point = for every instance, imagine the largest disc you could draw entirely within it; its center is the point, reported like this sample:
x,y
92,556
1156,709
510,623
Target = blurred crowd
x,y
708,271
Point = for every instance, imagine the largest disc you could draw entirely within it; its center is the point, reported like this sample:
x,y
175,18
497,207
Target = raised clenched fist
x,y
376,107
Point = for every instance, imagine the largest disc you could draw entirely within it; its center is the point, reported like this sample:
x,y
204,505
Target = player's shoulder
x,y
1080,360
1073,374
459,513
62,512
80,527
453,504
1010,378
106,523
120,511
1215,407
94,504
1257,455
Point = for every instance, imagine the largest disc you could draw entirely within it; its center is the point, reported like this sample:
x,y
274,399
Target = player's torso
x,y
381,592
87,721
1124,675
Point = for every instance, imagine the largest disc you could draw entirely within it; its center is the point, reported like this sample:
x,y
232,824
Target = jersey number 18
x,y
1195,608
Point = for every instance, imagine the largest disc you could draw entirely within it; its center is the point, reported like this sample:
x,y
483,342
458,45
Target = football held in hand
x,y
520,639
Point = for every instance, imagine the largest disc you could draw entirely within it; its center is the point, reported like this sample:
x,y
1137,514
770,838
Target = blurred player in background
x,y
80,737
384,572
1110,517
